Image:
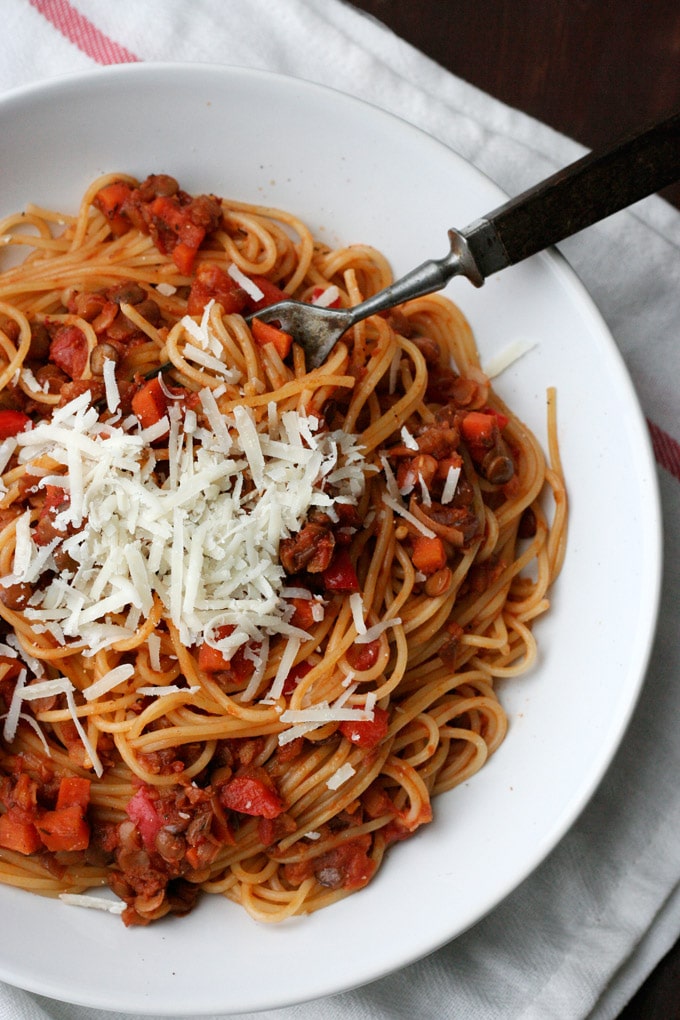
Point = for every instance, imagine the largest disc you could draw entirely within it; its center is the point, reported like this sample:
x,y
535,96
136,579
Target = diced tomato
x,y
252,792
302,617
109,200
150,403
265,333
271,830
501,419
340,575
64,829
69,351
395,831
13,667
366,733
240,666
55,497
271,294
296,674
364,656
74,791
18,834
211,660
211,283
346,866
12,423
142,811
446,464
428,554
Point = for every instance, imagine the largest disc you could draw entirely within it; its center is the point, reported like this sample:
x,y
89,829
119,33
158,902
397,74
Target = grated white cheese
x,y
508,356
407,439
110,385
110,680
376,630
340,776
12,718
325,299
92,902
356,604
395,505
251,288
451,484
204,541
163,692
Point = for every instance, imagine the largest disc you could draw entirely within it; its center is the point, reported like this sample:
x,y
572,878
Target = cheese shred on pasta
x,y
253,616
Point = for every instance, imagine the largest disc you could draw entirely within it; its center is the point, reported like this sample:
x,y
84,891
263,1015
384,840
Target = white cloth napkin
x,y
581,934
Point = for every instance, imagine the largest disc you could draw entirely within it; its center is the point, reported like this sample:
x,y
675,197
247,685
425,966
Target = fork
x,y
583,193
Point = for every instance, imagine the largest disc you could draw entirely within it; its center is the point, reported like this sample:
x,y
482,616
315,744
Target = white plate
x,y
359,175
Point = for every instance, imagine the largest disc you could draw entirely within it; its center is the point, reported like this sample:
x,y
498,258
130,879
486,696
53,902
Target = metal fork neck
x,y
426,278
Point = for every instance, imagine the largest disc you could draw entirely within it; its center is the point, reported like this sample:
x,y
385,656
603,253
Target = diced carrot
x,y
64,829
184,256
12,423
109,201
428,554
479,428
18,834
264,333
150,403
73,791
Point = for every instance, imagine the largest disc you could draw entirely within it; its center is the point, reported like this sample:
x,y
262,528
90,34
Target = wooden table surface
x,y
594,70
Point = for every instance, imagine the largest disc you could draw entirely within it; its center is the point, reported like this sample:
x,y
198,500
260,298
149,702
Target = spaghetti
x,y
253,615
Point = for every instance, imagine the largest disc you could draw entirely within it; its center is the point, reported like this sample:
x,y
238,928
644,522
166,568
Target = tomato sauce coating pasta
x,y
252,616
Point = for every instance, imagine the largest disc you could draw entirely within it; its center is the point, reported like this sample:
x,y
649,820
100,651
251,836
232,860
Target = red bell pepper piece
x,y
142,811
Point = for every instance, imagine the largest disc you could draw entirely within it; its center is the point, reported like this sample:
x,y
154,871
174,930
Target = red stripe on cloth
x,y
82,32
666,449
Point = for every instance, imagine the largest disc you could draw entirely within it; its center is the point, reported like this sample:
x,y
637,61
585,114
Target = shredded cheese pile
x,y
202,535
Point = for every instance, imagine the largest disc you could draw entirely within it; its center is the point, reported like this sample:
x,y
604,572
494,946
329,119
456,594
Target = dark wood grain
x,y
594,70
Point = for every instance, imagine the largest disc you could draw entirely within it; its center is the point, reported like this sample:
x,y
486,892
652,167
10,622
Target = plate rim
x,y
29,92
